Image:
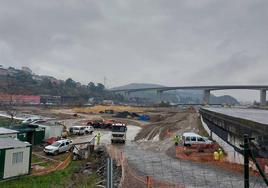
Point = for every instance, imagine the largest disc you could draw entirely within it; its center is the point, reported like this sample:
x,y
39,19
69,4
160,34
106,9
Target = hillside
x,y
25,82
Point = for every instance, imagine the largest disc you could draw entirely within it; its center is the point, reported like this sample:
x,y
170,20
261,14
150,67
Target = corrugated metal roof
x,y
7,131
6,143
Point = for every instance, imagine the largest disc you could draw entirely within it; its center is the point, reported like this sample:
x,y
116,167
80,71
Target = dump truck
x,y
119,133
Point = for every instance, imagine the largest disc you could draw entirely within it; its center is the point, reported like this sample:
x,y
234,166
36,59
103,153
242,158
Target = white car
x,y
89,129
59,146
190,138
30,120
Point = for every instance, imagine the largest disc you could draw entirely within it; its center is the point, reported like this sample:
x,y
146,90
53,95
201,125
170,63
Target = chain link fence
x,y
143,168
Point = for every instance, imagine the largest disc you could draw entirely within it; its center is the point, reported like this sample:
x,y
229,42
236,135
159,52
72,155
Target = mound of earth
x,y
176,123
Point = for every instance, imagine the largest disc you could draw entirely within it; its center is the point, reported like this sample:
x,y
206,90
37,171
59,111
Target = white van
x,y
190,138
79,130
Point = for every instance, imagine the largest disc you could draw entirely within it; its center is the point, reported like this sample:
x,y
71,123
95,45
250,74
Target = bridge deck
x,y
256,115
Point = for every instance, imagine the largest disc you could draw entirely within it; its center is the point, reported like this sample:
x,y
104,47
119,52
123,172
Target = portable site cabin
x,y
30,133
52,130
15,158
4,133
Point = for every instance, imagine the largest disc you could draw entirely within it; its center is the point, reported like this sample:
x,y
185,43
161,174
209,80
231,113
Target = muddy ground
x,y
152,152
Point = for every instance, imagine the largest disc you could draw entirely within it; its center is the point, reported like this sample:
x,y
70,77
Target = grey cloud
x,y
164,42
237,66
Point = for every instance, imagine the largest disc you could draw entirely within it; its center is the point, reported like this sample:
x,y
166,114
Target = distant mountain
x,y
138,85
178,96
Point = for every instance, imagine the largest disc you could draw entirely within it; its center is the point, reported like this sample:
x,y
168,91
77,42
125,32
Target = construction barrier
x,y
130,177
206,156
58,166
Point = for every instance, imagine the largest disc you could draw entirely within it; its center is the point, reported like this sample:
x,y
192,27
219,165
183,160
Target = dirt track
x,y
171,123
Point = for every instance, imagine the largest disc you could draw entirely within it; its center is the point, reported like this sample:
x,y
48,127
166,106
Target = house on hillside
x,y
3,72
12,71
15,158
26,70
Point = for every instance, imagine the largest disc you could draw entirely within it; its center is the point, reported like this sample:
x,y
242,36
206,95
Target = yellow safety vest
x,y
216,156
220,154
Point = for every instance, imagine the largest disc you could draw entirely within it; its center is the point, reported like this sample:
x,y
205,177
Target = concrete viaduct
x,y
206,90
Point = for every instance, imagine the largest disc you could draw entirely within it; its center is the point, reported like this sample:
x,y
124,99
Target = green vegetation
x,y
25,83
5,122
58,179
36,159
61,157
46,164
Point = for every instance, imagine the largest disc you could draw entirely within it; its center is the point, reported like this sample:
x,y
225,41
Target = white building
x,y
52,130
15,158
4,133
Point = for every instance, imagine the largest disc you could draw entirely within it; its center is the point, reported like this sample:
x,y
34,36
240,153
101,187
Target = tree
x,y
70,83
7,100
100,87
91,86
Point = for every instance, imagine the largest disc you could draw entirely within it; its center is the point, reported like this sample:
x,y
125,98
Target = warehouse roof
x,y
6,143
7,131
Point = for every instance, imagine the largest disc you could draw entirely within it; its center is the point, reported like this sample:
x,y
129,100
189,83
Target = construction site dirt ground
x,y
153,154
157,136
150,150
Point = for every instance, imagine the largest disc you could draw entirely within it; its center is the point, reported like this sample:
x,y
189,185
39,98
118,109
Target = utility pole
x,y
249,154
104,81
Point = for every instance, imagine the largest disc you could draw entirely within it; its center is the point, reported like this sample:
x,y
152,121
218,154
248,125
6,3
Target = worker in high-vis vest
x,y
98,138
220,153
216,155
176,140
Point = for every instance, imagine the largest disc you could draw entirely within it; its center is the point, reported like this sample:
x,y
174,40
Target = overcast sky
x,y
180,42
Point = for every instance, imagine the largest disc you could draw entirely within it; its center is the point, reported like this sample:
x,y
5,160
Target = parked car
x,y
30,120
38,121
79,130
59,146
190,138
89,129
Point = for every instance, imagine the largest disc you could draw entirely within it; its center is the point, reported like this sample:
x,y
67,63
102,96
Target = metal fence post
x,y
109,173
246,161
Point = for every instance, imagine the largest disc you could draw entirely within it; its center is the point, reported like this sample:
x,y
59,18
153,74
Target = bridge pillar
x,y
206,97
262,97
159,95
127,94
